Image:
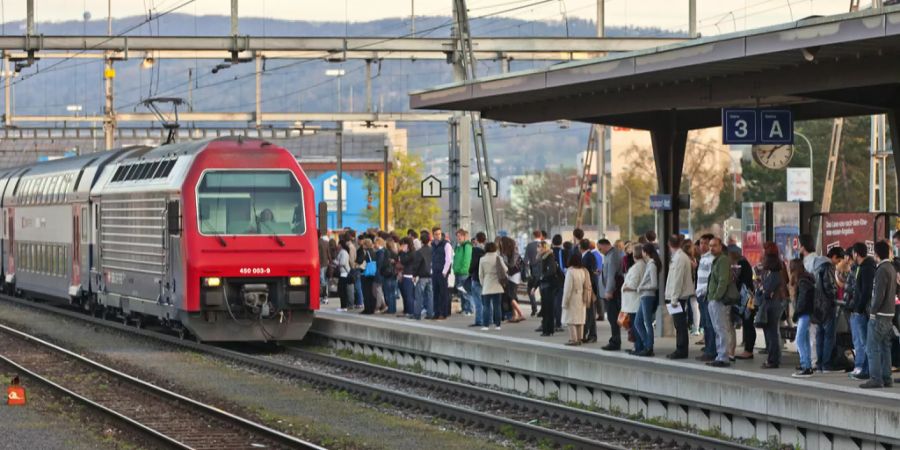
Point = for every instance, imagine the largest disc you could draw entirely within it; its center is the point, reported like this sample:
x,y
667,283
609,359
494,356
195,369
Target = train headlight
x,y
297,281
212,282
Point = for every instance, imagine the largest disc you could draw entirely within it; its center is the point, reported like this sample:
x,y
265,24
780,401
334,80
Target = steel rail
x,y
449,412
678,438
209,410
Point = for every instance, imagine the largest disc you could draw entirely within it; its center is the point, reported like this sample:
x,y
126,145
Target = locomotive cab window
x,y
250,202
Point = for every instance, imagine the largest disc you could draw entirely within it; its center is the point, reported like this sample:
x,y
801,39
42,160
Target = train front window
x,y
250,202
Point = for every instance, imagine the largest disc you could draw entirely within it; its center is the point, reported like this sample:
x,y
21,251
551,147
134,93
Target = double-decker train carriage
x,y
214,238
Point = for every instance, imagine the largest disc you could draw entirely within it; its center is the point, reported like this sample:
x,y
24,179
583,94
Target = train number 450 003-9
x,y
255,271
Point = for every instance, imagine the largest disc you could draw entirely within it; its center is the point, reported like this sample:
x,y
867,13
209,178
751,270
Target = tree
x,y
407,208
641,188
702,177
851,185
542,200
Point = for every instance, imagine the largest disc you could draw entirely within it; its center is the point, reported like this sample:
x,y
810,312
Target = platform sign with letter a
x,y
431,187
776,126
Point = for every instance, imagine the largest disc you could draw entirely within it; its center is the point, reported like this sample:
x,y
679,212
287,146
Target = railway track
x,y
161,415
531,420
599,427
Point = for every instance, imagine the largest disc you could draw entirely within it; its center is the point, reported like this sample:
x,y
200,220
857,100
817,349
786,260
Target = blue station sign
x,y
757,126
661,202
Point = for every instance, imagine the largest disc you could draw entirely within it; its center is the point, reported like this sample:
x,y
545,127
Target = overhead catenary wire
x,y
443,25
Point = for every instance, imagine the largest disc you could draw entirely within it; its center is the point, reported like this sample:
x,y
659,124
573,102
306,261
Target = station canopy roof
x,y
818,67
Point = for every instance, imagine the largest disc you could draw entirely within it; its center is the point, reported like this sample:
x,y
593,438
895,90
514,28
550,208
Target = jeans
x,y
720,316
802,341
492,309
323,283
465,298
612,315
408,291
441,295
680,321
859,329
644,320
389,288
557,307
424,298
772,330
878,349
475,290
709,331
358,292
825,336
638,345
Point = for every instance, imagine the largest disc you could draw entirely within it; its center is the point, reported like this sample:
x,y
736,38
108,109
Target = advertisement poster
x,y
845,229
753,228
786,222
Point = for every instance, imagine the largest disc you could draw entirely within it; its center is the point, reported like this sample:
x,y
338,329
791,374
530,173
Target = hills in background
x,y
303,85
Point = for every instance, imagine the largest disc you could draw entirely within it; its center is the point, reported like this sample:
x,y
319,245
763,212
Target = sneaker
x,y
858,376
855,371
485,328
497,329
805,373
341,310
871,384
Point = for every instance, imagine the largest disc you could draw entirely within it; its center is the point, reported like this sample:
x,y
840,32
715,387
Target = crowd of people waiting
x,y
710,288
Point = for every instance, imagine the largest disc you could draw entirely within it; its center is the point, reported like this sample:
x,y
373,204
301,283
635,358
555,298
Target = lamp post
x,y
630,215
808,144
339,73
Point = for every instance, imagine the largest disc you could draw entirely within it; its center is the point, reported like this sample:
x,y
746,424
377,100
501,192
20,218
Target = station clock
x,y
773,156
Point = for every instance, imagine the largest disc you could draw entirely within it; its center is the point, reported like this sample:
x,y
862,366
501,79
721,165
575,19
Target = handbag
x,y
501,274
369,267
624,320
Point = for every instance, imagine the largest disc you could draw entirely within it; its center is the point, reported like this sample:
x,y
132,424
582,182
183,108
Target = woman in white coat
x,y
631,299
577,295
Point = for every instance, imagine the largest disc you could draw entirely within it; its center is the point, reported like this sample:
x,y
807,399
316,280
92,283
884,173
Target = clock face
x,y
773,156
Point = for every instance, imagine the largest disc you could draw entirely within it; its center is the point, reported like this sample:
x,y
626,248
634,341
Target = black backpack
x,y
388,268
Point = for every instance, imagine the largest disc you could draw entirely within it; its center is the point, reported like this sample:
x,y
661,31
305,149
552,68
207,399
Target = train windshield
x,y
245,202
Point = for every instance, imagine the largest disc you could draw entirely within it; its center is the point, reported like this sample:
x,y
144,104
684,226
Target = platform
x,y
744,400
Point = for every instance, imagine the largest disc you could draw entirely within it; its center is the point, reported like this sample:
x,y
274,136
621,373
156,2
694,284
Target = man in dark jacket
x,y
413,264
825,310
881,317
590,263
859,301
559,254
533,268
424,288
477,253
611,280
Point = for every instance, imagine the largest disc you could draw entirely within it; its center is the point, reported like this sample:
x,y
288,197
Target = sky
x,y
714,16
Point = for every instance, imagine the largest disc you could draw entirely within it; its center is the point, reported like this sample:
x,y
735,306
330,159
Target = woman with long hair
x,y
631,300
510,254
364,258
803,290
577,294
491,272
649,294
345,284
770,300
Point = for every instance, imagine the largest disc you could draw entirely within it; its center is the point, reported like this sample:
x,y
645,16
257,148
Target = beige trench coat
x,y
576,296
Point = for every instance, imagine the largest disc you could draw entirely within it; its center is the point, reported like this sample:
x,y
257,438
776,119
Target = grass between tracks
x,y
714,432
